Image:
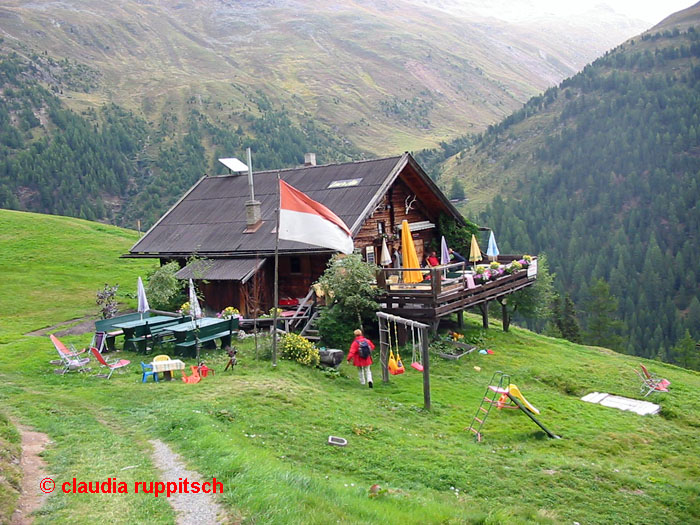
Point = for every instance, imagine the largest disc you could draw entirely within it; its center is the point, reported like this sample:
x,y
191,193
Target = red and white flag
x,y
305,220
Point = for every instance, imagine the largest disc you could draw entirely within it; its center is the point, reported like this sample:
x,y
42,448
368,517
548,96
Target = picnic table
x,y
209,329
138,331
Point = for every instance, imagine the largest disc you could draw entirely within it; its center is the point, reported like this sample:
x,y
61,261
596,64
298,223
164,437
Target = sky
x,y
652,11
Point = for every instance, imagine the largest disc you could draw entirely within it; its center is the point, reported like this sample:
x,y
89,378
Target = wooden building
x,y
234,234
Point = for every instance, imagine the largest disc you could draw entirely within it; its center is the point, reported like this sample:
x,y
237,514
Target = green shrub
x,y
164,289
336,328
300,349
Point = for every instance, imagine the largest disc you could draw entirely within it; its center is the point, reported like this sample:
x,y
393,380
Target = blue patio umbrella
x,y
492,250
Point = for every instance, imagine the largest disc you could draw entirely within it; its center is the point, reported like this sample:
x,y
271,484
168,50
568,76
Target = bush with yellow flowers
x,y
300,349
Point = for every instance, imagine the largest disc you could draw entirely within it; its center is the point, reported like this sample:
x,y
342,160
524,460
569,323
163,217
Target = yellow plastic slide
x,y
514,391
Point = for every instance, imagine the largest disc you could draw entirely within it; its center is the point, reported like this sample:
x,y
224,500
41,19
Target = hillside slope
x,y
601,174
390,76
263,431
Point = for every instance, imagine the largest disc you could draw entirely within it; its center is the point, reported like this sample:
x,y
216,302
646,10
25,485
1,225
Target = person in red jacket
x,y
362,363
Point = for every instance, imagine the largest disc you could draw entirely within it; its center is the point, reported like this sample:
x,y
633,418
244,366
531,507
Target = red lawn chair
x,y
113,365
651,382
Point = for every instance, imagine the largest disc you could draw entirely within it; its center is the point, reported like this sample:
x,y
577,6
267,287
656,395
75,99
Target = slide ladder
x,y
496,388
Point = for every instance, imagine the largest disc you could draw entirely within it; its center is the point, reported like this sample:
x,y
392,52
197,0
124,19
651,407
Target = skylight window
x,y
346,183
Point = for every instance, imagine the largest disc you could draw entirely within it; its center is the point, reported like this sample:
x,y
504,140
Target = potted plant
x,y
228,313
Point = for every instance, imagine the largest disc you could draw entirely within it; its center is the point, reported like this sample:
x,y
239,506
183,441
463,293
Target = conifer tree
x,y
602,327
567,323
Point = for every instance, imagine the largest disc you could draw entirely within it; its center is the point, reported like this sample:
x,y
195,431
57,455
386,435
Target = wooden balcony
x,y
448,289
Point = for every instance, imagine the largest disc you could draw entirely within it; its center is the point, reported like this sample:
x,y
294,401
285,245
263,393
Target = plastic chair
x,y
148,371
194,378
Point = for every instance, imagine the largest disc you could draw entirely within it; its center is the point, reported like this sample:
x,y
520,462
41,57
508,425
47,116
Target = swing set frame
x,y
385,320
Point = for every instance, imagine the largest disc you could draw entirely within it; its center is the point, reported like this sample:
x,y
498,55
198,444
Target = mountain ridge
x,y
345,65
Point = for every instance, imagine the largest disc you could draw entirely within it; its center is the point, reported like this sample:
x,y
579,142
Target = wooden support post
x,y
383,347
484,307
504,313
460,318
426,368
436,282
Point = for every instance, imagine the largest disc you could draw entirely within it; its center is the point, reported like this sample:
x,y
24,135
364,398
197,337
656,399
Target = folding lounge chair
x,y
69,359
63,350
99,341
651,382
111,365
70,363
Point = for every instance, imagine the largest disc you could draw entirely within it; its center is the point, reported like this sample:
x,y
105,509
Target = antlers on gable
x,y
409,202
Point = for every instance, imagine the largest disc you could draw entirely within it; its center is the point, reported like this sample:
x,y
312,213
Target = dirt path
x,y
33,471
80,326
190,508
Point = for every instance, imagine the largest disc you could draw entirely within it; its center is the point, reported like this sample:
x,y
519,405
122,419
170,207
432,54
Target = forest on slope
x,y
602,173
111,165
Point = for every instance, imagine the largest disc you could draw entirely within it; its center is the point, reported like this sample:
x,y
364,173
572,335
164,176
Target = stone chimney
x,y
309,159
253,219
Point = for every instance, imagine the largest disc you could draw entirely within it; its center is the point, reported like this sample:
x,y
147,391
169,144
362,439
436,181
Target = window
x,y
295,265
381,228
370,254
346,183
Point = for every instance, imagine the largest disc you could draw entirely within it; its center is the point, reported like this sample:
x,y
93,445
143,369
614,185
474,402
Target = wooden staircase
x,y
304,311
310,330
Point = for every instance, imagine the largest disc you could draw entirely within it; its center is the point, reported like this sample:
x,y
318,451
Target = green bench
x,y
206,336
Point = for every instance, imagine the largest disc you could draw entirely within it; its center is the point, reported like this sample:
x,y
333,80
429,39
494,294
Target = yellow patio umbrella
x,y
408,253
474,251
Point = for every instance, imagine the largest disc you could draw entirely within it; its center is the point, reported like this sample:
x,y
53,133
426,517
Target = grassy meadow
x,y
262,431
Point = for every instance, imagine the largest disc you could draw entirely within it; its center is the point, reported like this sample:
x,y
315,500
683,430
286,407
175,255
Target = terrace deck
x,y
438,297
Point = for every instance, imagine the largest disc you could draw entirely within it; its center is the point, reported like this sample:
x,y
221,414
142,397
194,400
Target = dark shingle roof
x,y
210,219
239,269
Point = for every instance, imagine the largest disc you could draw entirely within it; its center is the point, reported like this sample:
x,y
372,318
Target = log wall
x,y
391,211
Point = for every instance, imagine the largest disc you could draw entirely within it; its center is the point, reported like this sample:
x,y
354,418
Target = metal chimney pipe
x,y
250,175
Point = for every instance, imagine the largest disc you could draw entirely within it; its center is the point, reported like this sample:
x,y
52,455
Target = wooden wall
x,y
297,284
391,211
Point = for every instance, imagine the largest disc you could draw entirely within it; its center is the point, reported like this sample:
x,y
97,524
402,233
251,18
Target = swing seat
x,y
417,366
395,367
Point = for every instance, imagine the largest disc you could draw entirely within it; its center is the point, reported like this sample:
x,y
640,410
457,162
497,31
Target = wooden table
x,y
181,331
210,329
166,367
140,327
